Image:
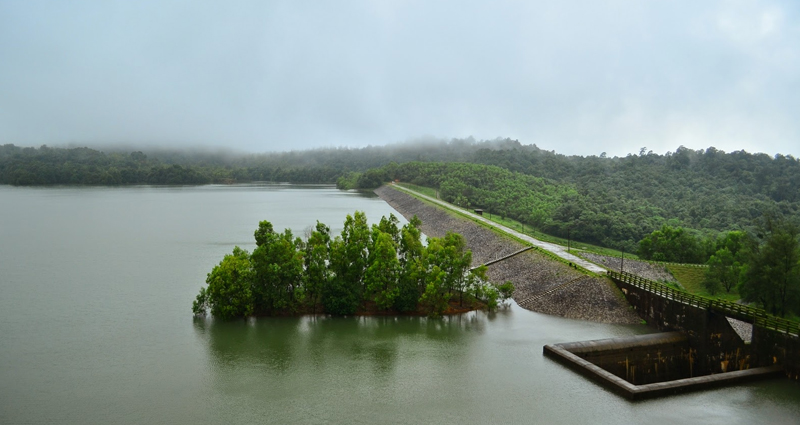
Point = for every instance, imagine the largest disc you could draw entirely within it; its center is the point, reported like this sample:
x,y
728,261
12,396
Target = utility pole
x,y
569,230
622,266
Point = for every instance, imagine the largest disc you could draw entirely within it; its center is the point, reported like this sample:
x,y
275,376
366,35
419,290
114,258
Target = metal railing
x,y
756,316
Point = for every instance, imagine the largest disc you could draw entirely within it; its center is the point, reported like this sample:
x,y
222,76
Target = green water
x,y
96,287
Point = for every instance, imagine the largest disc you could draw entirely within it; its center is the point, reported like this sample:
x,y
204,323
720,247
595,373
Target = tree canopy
x,y
772,276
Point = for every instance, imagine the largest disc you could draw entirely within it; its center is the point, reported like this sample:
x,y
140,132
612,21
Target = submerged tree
x,y
228,294
278,266
317,257
382,274
446,264
410,282
348,264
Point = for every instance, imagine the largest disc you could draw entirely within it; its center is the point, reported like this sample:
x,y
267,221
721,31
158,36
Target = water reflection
x,y
238,343
372,345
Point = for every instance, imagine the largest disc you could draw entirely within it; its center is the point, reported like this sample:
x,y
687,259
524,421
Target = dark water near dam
x,y
96,286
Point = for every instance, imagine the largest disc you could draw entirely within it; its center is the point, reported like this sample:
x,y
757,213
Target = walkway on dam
x,y
558,250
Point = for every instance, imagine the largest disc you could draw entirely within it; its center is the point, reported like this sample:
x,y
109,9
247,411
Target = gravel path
x,y
587,298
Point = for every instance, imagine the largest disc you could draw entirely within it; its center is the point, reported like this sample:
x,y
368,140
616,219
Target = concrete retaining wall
x,y
772,347
641,359
718,347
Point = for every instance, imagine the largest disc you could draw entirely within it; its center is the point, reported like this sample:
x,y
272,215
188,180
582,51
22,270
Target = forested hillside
x,y
617,201
614,202
703,189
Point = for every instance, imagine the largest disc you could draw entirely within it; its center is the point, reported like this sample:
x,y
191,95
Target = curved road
x,y
555,249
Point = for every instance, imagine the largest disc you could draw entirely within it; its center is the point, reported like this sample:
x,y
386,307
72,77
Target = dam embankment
x,y
542,284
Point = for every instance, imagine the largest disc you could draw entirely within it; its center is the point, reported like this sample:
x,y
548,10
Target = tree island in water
x,y
384,269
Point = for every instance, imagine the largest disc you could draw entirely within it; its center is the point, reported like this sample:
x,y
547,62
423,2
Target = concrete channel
x,y
668,349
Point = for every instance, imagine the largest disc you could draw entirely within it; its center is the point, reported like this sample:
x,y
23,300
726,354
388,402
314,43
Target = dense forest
x,y
384,268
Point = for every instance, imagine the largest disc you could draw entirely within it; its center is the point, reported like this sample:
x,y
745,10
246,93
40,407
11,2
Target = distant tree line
x,y
384,268
84,166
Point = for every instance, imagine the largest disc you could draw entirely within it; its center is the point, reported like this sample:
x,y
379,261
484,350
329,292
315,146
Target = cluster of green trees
x,y
677,245
763,265
45,165
765,269
380,268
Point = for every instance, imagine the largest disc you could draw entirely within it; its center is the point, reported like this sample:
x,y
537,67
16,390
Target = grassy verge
x,y
692,279
421,189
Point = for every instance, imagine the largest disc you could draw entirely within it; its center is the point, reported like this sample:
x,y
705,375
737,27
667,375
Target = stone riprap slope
x,y
644,269
536,277
598,302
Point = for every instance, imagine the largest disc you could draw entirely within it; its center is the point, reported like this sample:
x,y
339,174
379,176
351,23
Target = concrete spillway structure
x,y
720,349
647,366
699,349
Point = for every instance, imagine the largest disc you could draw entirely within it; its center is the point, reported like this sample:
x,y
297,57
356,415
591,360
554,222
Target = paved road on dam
x,y
555,249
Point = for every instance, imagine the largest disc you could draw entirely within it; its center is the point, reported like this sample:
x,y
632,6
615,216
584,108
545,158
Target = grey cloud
x,y
580,77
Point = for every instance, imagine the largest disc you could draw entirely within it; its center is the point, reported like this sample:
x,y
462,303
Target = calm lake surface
x,y
96,286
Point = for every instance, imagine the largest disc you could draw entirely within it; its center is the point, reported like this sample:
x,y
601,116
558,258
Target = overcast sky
x,y
577,77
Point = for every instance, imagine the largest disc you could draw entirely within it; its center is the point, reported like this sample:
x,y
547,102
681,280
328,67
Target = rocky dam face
x,y
542,284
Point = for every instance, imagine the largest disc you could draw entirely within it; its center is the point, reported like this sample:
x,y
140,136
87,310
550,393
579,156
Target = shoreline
x,y
452,310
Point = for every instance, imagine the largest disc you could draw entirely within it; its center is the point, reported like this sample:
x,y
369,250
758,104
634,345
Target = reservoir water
x,y
96,286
